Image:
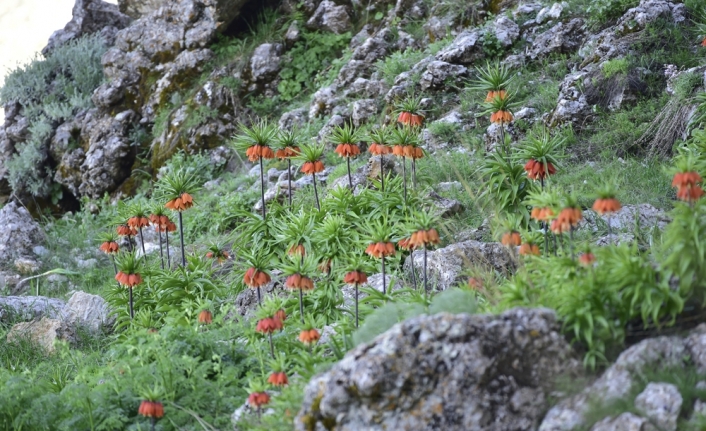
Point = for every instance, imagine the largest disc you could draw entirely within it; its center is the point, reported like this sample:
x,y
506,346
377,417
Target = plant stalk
x,y
414,271
414,173
316,193
259,296
384,284
181,238
132,311
356,305
169,260
142,240
404,177
350,180
161,253
426,287
272,346
382,173
301,304
262,189
289,180
571,241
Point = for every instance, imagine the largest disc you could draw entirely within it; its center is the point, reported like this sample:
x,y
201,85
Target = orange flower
x,y
151,409
325,266
125,230
529,249
281,315
538,170
606,205
423,238
313,167
171,227
689,193
309,337
287,152
380,249
257,399
138,222
686,179
129,280
409,119
404,244
297,249
379,149
298,281
268,325
703,42
501,94
475,283
278,379
347,150
256,278
567,219
501,117
398,150
587,259
511,239
183,202
109,247
257,151
542,214
355,277
205,317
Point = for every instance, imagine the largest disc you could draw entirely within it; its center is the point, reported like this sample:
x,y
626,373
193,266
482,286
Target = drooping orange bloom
x,y
287,152
268,325
151,409
278,379
686,179
404,244
587,259
220,257
138,222
475,283
347,150
256,278
298,281
689,193
256,151
257,399
309,337
503,117
500,94
125,230
423,238
183,202
542,214
379,149
355,277
205,317
529,249
398,150
380,249
568,218
606,205
281,315
410,119
412,152
325,266
311,168
160,222
538,171
171,226
297,249
109,247
703,42
511,239
128,280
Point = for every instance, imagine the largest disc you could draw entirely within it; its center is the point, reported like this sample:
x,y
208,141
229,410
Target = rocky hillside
x,y
319,215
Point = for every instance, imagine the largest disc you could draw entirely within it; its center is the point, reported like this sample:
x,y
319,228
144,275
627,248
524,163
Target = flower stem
x,y
289,180
384,284
414,173
142,240
350,180
154,421
546,239
316,193
262,188
610,232
571,241
414,271
169,260
356,305
382,173
161,252
404,178
259,296
426,288
555,246
181,238
272,346
301,304
132,311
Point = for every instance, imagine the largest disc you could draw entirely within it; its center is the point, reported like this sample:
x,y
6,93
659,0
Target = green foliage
x,y
308,57
396,63
602,12
684,249
618,66
507,186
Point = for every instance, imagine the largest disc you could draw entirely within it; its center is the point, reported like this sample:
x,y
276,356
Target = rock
x,y
10,283
563,38
552,13
293,119
224,11
616,382
506,31
445,207
661,403
364,110
572,105
265,61
29,307
446,265
466,48
440,73
374,282
89,16
19,235
246,302
330,17
450,372
44,333
644,215
88,311
624,422
26,266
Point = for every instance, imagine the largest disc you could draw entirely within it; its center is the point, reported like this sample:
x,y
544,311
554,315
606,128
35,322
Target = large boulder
x,y
44,333
445,266
90,16
224,10
88,311
20,233
450,372
29,308
330,17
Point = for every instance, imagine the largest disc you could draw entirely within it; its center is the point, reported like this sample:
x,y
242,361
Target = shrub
x,y
615,67
602,12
